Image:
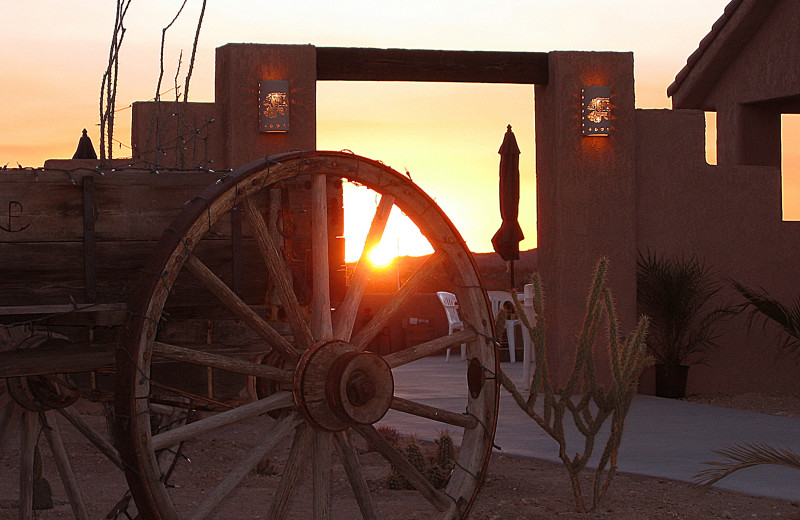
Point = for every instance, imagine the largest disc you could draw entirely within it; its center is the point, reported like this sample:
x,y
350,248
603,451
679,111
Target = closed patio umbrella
x,y
506,240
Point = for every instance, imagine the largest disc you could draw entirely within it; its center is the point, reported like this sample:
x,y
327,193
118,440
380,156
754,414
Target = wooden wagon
x,y
177,296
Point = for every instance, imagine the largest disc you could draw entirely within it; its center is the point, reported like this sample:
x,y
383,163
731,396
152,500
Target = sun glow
x,y
382,256
401,236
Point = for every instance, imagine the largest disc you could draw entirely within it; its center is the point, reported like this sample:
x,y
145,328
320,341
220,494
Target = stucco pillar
x,y
239,68
586,198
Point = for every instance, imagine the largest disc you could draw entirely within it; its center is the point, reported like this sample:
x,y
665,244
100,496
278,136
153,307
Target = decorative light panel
x,y
273,112
596,111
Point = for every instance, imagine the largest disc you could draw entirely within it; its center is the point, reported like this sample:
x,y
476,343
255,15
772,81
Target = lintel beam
x,y
367,64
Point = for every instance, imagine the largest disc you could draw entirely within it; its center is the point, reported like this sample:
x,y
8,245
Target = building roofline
x,y
728,36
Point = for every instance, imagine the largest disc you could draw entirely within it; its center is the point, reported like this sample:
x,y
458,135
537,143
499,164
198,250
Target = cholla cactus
x,y
588,403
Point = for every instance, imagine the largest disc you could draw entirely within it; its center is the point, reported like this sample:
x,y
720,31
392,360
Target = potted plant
x,y
678,295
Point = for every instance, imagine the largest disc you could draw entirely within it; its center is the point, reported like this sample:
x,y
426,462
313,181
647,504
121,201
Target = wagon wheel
x,y
31,406
328,384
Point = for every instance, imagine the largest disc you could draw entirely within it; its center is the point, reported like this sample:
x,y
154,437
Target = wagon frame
x,y
318,379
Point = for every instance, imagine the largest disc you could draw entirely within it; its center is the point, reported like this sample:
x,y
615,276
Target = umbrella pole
x,y
511,272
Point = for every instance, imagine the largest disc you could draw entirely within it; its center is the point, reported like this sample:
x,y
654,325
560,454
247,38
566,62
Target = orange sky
x,y
446,135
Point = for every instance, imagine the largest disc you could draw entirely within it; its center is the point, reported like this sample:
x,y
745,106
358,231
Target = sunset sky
x,y
53,55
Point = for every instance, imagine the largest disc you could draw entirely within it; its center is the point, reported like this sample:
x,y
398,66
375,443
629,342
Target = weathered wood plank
x,y
45,205
60,359
360,64
51,272
89,240
61,309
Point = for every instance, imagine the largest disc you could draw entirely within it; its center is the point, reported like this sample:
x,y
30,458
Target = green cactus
x,y
443,462
414,455
587,402
445,451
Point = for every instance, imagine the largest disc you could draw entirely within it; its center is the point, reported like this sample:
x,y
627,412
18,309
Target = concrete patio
x,y
663,438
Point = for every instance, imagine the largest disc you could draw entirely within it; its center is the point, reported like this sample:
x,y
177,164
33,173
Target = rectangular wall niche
x,y
273,98
596,111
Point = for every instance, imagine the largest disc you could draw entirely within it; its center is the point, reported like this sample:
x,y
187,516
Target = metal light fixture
x,y
273,106
596,111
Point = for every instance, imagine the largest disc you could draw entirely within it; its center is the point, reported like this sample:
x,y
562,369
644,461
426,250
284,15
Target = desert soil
x,y
514,488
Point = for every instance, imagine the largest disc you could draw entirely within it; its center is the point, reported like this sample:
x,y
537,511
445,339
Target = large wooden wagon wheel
x,y
325,384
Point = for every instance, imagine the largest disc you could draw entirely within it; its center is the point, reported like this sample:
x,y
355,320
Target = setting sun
x,y
401,235
382,256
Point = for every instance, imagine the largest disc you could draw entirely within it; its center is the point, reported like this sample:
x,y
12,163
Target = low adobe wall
x,y
730,217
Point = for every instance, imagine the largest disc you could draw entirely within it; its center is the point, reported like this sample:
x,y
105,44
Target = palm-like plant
x,y
766,308
677,294
787,317
745,456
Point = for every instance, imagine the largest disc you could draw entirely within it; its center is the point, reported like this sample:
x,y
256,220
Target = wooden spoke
x,y
428,348
5,397
347,454
273,436
8,416
433,413
61,459
409,289
171,437
321,468
280,275
95,438
437,498
291,472
345,315
26,449
321,326
230,364
235,304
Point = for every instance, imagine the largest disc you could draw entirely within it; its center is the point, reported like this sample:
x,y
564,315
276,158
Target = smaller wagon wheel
x,y
323,384
31,405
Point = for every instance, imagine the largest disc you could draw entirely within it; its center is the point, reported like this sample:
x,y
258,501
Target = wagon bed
x,y
179,288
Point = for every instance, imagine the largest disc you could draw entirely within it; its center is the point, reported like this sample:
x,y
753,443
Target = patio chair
x,y
454,323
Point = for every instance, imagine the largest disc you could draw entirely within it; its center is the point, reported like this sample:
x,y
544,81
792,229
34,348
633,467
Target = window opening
x,y
790,165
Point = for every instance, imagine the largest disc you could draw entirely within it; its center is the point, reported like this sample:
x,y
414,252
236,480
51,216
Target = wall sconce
x,y
273,106
596,110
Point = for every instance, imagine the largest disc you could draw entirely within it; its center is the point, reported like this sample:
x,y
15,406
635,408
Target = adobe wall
x,y
171,134
648,187
730,216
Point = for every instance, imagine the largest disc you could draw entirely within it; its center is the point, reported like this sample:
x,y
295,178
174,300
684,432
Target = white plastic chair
x,y
454,323
497,299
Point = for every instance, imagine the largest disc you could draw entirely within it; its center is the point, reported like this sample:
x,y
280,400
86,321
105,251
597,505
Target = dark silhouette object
x,y
85,148
506,240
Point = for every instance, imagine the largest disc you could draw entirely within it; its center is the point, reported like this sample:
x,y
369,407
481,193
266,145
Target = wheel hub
x,y
45,392
337,386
